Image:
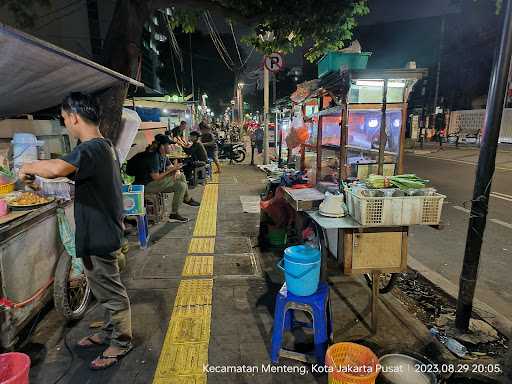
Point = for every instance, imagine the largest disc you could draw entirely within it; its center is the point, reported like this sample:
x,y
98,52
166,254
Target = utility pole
x,y
266,100
484,173
439,56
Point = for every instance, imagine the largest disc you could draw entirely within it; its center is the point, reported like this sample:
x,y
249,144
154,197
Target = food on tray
x,y
404,182
29,198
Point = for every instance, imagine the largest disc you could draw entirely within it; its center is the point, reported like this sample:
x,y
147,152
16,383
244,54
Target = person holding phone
x,y
158,174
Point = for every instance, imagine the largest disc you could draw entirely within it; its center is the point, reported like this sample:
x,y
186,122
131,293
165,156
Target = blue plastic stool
x,y
318,306
142,230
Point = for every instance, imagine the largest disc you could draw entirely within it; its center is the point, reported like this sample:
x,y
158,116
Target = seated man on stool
x,y
158,175
197,153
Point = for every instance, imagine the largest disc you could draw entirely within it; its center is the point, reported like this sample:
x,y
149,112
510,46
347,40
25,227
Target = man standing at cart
x,y
98,217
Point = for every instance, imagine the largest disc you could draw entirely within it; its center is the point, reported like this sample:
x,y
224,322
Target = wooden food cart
x,y
36,76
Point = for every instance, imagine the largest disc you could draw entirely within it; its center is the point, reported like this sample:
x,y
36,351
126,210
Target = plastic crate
x,y
386,211
133,199
334,61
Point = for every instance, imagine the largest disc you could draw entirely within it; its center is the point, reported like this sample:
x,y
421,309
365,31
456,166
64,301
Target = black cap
x,y
162,139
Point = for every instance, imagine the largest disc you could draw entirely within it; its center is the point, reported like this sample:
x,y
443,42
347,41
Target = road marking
x,y
462,209
501,196
503,223
459,161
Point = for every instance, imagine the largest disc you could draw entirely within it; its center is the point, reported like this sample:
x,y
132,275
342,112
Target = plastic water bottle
x,y
453,345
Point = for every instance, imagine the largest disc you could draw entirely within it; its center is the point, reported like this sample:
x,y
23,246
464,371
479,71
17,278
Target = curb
x,y
487,313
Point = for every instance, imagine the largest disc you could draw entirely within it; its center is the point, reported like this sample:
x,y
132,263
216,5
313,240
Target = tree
x,y
324,24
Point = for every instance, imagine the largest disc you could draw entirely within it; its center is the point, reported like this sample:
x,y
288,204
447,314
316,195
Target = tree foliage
x,y
323,24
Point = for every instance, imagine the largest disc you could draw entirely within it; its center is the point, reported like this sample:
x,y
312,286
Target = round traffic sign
x,y
274,62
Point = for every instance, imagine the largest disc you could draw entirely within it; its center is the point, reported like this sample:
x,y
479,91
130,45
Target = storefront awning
x,y
36,75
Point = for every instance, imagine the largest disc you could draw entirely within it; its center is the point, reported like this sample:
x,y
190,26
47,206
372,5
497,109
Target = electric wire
x,y
219,39
174,50
236,44
218,43
248,57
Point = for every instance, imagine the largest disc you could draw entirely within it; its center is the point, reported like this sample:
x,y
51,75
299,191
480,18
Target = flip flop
x,y
93,342
115,360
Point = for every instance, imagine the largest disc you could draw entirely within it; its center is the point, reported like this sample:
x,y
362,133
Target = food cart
x,y
360,131
36,76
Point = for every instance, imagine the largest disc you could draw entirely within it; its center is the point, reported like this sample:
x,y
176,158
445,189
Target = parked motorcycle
x,y
231,151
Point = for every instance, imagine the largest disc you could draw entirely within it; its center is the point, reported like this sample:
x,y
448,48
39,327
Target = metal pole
x,y
274,89
382,140
484,174
280,130
438,74
242,114
265,114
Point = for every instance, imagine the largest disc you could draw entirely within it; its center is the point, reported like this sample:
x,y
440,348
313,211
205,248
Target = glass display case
x,y
372,138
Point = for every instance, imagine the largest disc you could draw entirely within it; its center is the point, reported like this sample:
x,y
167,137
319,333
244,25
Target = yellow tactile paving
x,y
182,359
215,179
185,349
206,224
198,266
189,325
186,379
202,245
194,292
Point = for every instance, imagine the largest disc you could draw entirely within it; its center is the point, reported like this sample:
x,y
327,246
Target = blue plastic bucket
x,y
301,269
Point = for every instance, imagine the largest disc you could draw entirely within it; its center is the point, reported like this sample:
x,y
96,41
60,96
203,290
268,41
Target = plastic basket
x,y
133,199
334,61
351,363
7,188
14,368
406,210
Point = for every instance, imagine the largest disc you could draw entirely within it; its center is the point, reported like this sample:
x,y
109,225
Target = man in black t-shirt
x,y
158,175
98,217
197,153
210,143
178,135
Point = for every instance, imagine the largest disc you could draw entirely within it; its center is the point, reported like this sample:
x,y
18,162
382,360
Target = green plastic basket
x,y
334,61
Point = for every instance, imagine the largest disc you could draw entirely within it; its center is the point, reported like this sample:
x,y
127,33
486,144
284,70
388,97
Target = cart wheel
x,y
386,281
239,156
71,296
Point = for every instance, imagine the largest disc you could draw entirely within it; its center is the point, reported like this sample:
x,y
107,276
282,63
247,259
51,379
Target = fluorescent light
x,y
370,83
379,83
165,111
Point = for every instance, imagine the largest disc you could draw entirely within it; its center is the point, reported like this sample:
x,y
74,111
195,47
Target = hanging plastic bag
x,y
67,236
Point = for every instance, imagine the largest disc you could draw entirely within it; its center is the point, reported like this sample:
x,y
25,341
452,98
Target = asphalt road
x,y
443,250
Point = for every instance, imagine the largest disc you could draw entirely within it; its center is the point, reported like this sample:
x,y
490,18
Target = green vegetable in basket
x,y
403,182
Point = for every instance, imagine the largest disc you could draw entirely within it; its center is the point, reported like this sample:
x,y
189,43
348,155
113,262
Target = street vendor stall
x,y
36,76
361,132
